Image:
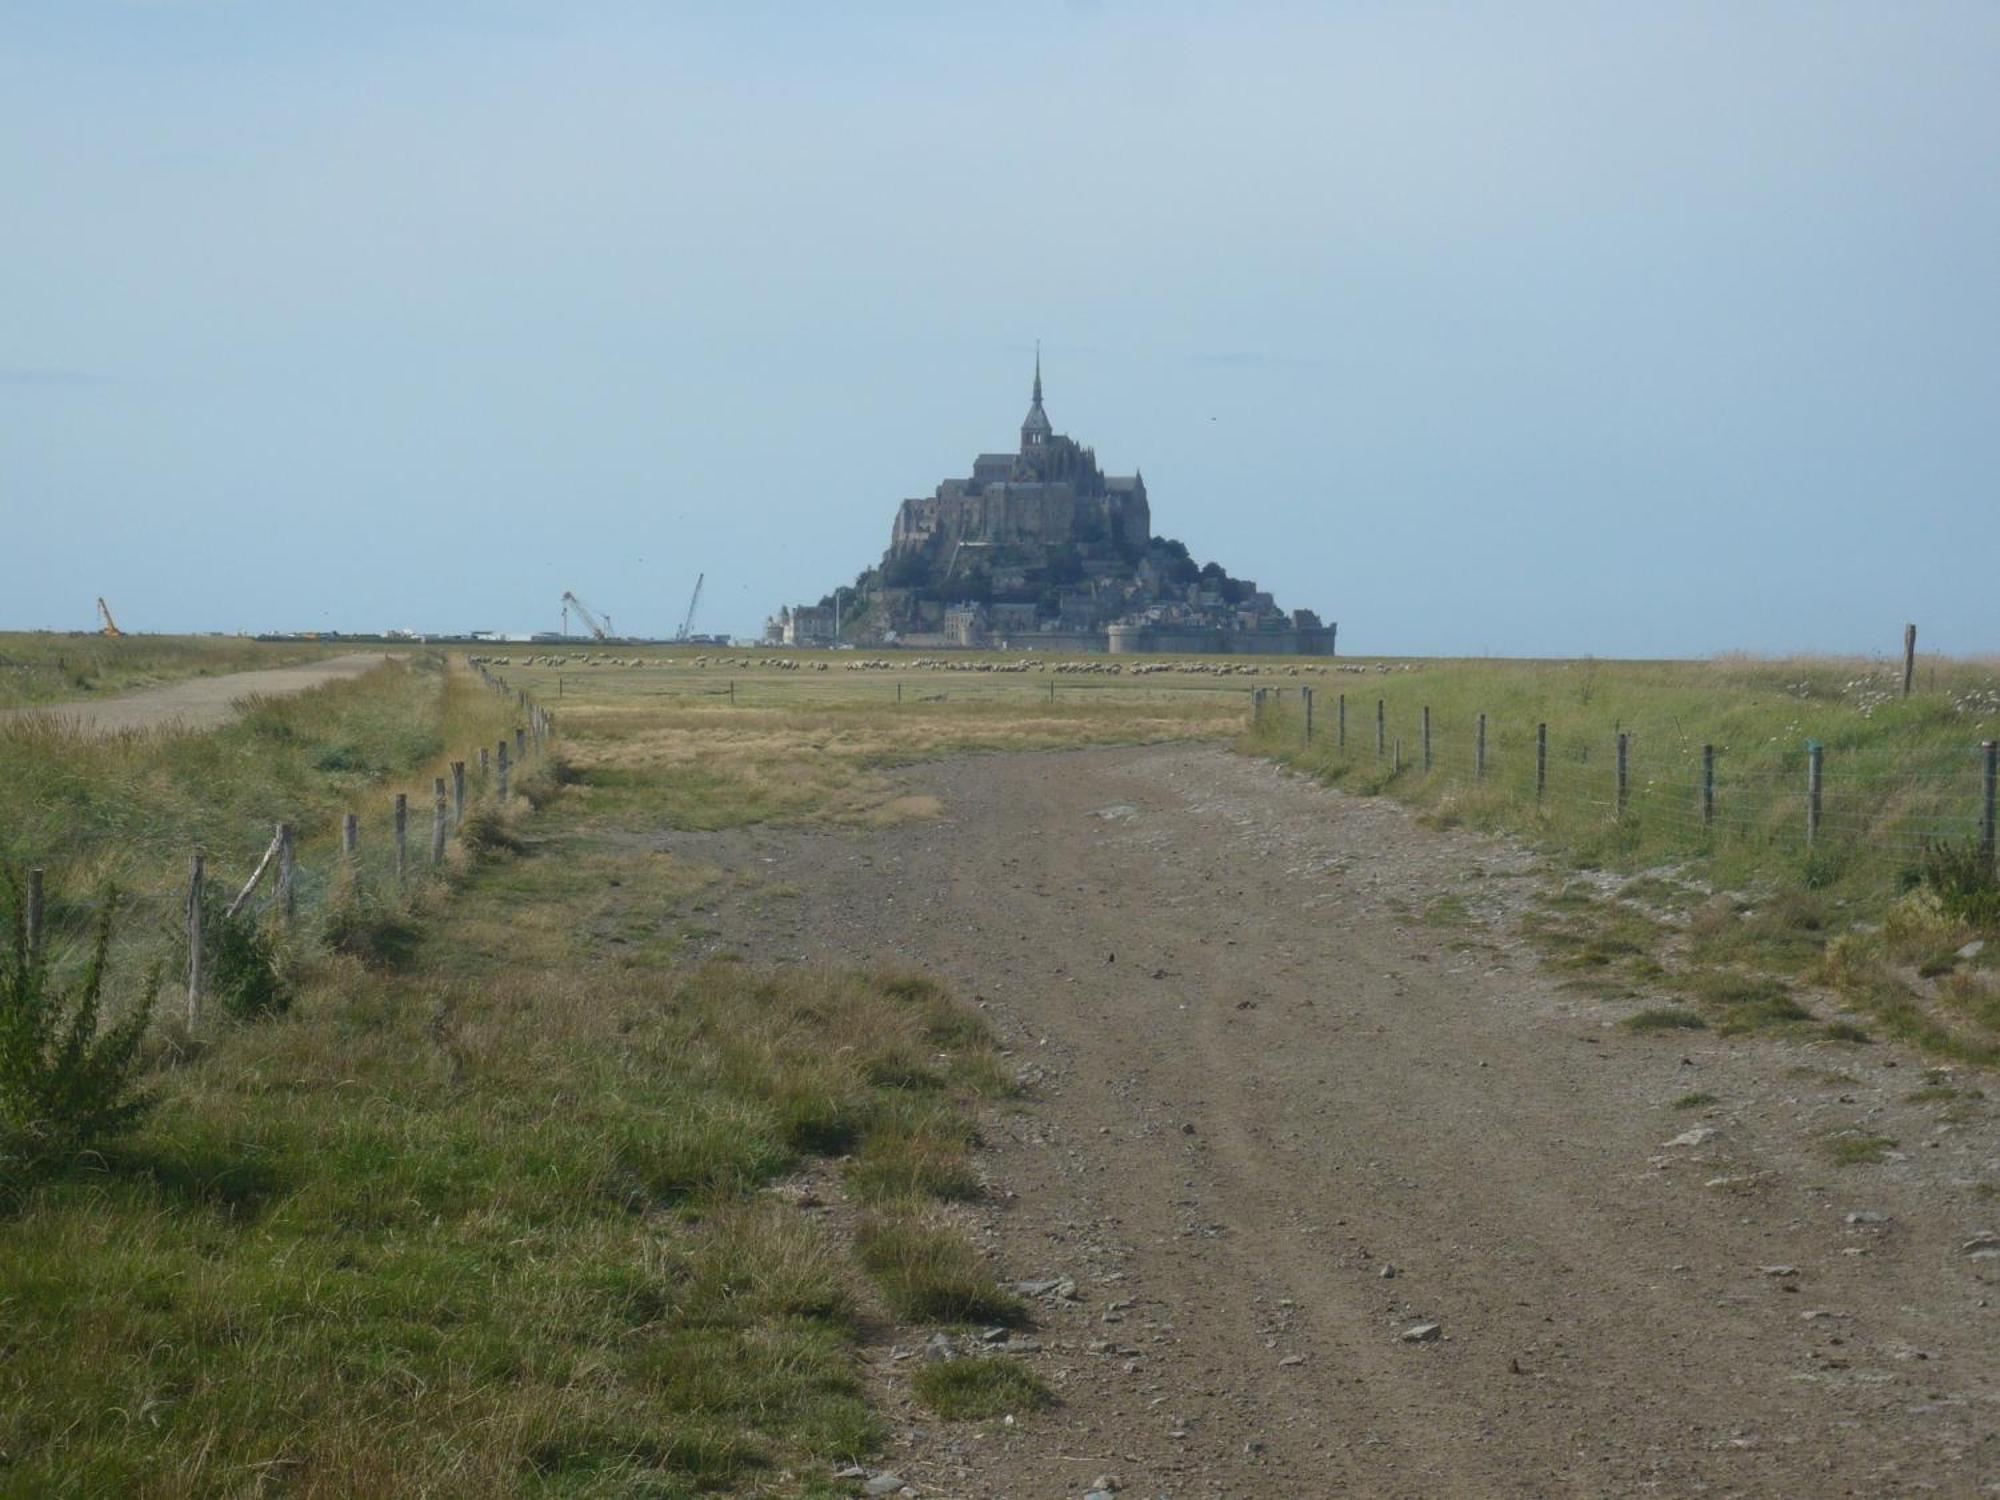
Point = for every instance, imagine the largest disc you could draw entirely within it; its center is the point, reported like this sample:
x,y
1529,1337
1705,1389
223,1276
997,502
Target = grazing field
x,y
48,667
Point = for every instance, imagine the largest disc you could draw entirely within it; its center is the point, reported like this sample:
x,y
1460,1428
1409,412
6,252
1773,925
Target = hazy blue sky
x,y
1622,329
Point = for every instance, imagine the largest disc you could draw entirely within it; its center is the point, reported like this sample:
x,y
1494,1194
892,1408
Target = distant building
x,y
1041,548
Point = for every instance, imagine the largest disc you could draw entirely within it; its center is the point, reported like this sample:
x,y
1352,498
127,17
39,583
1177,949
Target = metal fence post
x,y
1624,777
1479,752
1707,785
1541,762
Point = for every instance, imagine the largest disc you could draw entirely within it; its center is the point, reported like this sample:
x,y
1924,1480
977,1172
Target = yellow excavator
x,y
110,625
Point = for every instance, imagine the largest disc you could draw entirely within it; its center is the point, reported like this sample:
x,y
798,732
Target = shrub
x,y
1964,881
241,965
66,1080
486,830
376,932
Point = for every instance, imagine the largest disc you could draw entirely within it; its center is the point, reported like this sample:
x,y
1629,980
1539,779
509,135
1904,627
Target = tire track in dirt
x,y
1258,1081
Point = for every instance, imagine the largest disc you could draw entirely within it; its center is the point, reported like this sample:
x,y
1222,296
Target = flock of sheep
x,y
1093,668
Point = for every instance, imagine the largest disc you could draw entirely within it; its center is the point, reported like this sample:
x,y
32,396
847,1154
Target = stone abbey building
x,y
1040,549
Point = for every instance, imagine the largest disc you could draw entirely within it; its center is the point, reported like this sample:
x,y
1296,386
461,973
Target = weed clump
x,y
929,1274
382,934
66,1080
1853,1149
487,830
242,967
1963,879
995,1386
1664,1018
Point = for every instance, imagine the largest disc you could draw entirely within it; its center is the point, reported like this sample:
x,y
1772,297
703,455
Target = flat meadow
x,y
503,1191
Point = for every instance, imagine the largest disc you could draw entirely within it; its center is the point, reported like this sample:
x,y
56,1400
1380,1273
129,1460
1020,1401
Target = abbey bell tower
x,y
1035,428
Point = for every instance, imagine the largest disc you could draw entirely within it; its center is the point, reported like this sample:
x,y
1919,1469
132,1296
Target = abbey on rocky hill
x,y
1040,549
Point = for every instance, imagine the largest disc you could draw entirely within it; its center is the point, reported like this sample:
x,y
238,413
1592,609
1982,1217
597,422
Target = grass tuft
x,y
994,1386
929,1274
1664,1018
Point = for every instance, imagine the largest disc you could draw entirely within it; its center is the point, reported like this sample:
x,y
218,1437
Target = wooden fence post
x,y
500,769
197,868
1541,762
1479,752
438,824
1813,754
1990,752
1707,786
485,762
1427,739
520,746
35,911
1909,657
1340,722
457,792
350,839
1381,726
1624,776
1396,765
288,872
403,837
1308,695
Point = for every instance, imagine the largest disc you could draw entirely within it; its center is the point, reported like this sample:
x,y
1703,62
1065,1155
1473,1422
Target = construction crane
x,y
599,628
687,625
110,625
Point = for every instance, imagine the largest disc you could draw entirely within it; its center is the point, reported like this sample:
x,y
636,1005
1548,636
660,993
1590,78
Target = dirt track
x,y
1259,1080
197,702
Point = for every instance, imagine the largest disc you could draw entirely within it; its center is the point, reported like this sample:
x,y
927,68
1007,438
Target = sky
x,y
1514,329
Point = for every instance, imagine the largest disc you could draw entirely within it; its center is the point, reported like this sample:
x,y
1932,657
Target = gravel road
x,y
1278,1124
196,702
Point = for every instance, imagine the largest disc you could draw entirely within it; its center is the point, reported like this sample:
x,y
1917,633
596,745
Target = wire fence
x,y
386,849
1873,799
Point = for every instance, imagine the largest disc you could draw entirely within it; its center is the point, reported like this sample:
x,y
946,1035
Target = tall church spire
x,y
1035,430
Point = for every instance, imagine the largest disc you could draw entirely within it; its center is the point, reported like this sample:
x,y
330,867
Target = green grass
x,y
1888,895
928,1273
1856,1148
1698,1099
50,667
1664,1018
131,807
1743,1001
993,1386
1894,769
484,1211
